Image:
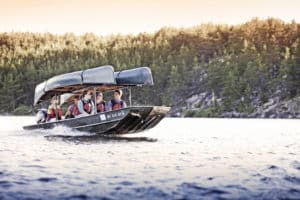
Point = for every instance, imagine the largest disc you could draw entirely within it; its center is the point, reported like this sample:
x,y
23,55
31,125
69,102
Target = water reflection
x,y
98,138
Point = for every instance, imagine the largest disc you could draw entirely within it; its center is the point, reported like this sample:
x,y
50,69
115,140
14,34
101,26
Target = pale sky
x,y
133,16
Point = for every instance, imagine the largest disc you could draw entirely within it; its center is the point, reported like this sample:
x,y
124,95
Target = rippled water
x,y
178,159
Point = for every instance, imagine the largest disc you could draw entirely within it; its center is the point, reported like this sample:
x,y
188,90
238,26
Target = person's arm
x,y
80,108
69,111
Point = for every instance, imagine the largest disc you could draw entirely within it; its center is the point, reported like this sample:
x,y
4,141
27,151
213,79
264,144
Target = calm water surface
x,y
178,159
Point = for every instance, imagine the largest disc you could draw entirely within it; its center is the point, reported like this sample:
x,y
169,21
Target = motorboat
x,y
131,119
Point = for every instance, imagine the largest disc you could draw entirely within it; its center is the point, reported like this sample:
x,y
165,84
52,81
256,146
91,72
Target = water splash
x,y
65,131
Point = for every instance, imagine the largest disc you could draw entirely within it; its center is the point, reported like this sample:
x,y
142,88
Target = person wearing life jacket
x,y
117,103
72,110
54,111
85,105
41,116
100,103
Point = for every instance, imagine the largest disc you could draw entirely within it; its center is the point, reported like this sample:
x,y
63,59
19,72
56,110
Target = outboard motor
x,y
41,116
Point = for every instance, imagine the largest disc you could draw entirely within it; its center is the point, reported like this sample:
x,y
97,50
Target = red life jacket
x,y
101,107
87,106
116,105
75,110
52,114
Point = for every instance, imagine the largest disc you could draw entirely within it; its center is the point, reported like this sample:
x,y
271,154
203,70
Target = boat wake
x,y
98,138
70,135
61,131
67,131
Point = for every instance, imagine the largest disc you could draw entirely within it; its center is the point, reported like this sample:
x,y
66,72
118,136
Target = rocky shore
x,y
201,105
204,105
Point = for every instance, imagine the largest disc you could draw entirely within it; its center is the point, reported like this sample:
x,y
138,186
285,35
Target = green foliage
x,y
22,109
208,112
197,105
236,63
190,113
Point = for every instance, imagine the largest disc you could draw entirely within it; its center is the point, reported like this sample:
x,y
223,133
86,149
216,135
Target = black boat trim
x,y
96,124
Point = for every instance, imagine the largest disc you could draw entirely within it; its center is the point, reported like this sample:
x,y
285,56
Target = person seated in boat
x,y
41,116
100,103
85,104
72,109
117,103
54,111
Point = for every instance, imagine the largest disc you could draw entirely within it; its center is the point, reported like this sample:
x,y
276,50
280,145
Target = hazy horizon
x,y
133,16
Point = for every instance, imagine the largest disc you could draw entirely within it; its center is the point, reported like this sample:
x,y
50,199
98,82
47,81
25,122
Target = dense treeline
x,y
242,65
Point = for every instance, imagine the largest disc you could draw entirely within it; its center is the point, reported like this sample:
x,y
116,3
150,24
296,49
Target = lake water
x,y
178,159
